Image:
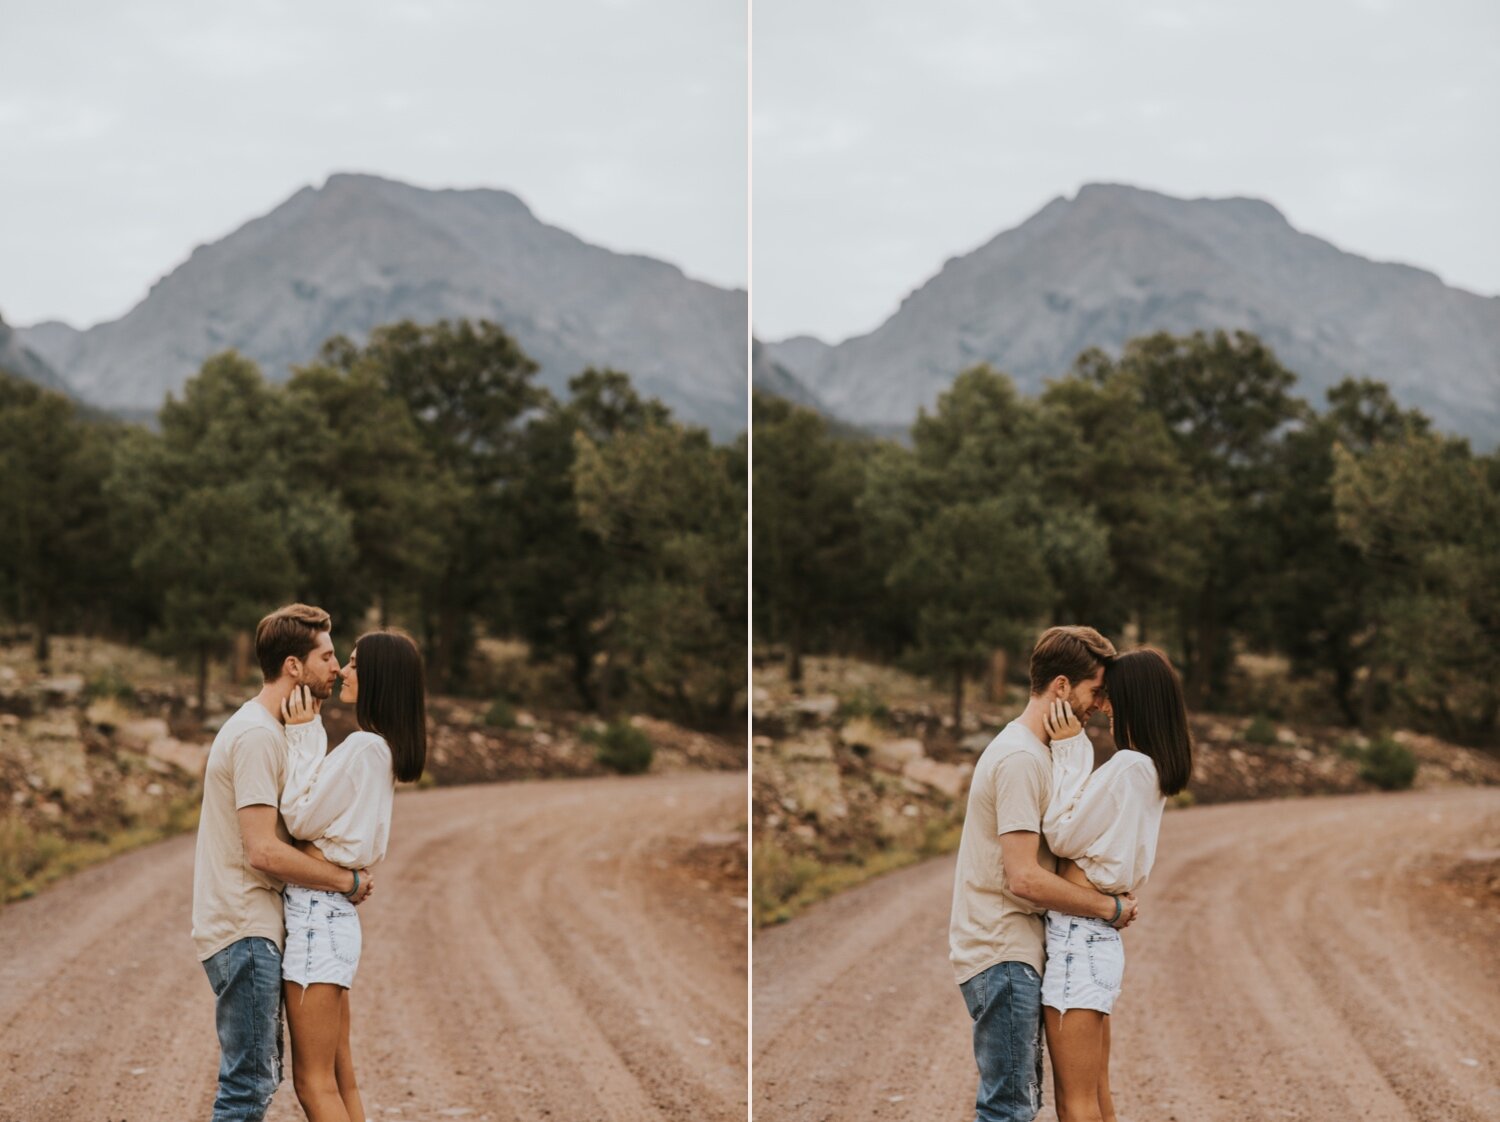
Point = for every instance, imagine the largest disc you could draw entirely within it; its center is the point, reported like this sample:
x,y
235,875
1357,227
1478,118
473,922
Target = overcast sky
x,y
890,135
134,131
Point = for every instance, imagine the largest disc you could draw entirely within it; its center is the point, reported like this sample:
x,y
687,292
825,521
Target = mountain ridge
x,y
363,250
1114,262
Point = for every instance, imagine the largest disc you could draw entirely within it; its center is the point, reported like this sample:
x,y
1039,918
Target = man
x,y
1006,877
245,855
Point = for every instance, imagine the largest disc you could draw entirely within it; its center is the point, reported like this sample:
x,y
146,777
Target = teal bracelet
x,y
355,889
1119,905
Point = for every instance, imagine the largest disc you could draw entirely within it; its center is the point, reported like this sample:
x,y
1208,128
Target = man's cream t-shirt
x,y
232,900
1009,792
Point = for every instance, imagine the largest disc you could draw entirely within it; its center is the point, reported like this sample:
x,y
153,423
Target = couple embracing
x,y
288,833
1052,856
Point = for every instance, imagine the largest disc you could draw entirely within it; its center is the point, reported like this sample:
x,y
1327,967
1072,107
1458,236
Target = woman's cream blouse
x,y
1106,820
339,800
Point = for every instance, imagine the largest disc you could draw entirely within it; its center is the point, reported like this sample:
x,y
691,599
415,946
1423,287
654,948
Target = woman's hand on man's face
x,y
1060,721
300,707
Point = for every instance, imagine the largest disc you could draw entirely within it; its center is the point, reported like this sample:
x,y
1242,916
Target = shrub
x,y
1260,731
623,748
1351,749
864,703
109,683
779,878
501,714
1388,765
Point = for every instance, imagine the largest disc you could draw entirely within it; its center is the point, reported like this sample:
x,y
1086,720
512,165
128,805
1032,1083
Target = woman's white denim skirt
x,y
322,937
1085,963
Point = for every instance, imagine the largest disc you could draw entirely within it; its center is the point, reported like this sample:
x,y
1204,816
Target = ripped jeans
x,y
246,980
1005,1003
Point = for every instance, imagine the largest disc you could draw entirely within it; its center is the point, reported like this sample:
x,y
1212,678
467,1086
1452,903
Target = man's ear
x,y
292,665
1061,686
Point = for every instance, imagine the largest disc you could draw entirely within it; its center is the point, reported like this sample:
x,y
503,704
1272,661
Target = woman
x,y
338,803
1106,823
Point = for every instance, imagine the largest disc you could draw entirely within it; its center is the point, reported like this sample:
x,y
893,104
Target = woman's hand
x,y
1060,721
300,707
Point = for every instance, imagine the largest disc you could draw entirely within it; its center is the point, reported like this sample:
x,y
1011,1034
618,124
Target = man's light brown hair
x,y
289,632
1074,652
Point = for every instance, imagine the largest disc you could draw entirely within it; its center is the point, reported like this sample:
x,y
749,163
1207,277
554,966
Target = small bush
x,y
865,703
110,683
779,878
1182,800
1351,749
501,715
623,748
1260,731
1389,765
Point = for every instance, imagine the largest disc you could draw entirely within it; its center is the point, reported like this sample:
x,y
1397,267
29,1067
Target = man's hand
x,y
300,707
366,886
1130,911
1060,721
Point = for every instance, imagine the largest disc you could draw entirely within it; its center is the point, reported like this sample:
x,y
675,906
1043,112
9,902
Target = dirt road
x,y
1293,961
533,951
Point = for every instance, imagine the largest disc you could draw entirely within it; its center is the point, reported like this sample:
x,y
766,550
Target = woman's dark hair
x,y
1150,715
392,699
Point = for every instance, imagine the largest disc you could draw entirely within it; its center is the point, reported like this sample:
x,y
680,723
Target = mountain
x,y
773,377
1115,262
23,362
362,251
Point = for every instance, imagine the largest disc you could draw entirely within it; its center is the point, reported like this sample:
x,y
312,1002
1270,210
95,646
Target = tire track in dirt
x,y
530,953
1289,964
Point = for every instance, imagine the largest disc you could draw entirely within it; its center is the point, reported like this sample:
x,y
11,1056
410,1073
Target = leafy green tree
x,y
809,578
230,509
560,581
976,574
1424,514
1227,402
669,506
400,504
56,558
467,387
1319,604
1137,488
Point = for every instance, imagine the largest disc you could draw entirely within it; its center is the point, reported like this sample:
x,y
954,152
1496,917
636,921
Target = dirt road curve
x,y
532,952
1290,963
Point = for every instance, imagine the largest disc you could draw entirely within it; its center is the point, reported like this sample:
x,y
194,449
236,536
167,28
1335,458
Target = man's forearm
x,y
289,864
1056,894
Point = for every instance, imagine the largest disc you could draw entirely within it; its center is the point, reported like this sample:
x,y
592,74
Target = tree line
x,y
423,477
1183,489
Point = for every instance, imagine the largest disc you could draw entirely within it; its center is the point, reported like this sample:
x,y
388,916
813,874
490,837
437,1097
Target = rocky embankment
x,y
865,772
109,751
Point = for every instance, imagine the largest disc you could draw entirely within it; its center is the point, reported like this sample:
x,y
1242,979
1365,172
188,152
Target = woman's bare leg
x,y
1076,1044
1106,1100
315,1017
343,1068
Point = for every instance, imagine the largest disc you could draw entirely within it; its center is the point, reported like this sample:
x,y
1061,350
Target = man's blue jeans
x,y
1005,1002
246,978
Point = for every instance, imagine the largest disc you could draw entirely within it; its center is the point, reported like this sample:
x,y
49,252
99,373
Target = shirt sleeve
x,y
1071,821
1020,794
256,763
314,793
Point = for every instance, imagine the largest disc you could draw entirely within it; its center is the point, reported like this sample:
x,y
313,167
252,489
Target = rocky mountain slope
x,y
1116,262
23,362
361,251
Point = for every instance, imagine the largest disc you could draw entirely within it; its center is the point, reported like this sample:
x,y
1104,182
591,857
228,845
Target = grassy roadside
x,y
785,883
32,860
